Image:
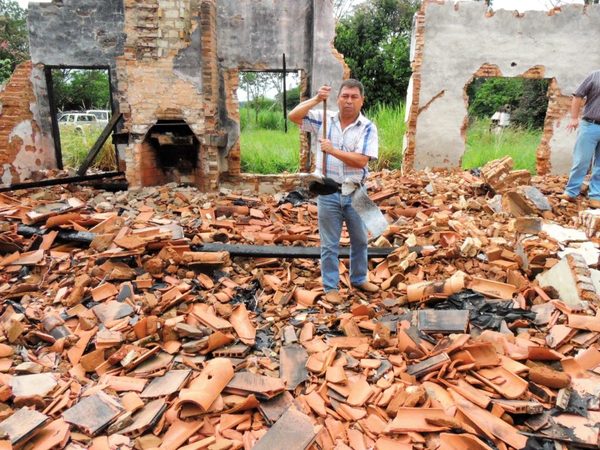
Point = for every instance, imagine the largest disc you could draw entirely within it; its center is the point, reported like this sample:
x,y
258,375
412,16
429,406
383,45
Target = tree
x,y
526,97
375,42
14,40
76,89
342,7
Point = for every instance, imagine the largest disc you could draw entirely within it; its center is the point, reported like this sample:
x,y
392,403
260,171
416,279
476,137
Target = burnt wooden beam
x,y
57,181
54,118
89,159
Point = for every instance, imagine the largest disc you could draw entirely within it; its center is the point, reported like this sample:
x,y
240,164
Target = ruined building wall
x,y
24,147
264,31
180,60
457,42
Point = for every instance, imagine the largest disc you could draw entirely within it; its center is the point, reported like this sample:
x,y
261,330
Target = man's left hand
x,y
326,146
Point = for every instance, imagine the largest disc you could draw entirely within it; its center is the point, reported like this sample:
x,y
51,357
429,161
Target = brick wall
x,y
150,90
408,157
23,148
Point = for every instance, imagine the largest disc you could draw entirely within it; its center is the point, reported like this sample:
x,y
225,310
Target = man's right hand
x,y
323,93
572,126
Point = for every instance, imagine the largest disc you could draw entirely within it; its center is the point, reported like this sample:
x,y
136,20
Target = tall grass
x,y
266,149
77,144
270,151
391,128
484,146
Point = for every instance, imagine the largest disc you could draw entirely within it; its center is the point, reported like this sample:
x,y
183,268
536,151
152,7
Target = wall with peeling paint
x,y
458,40
178,58
24,145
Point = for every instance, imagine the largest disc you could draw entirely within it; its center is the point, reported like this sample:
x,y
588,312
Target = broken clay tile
x,y
244,383
492,289
205,388
104,291
581,322
462,441
293,428
443,321
145,418
241,324
304,297
169,383
31,385
292,360
503,381
490,424
417,419
23,424
124,384
92,414
179,432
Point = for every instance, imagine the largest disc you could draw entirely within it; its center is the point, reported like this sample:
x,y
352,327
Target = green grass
x,y
266,149
391,128
270,151
76,146
483,146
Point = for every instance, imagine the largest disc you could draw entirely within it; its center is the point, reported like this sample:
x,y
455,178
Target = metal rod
x,y
57,181
285,95
89,159
235,250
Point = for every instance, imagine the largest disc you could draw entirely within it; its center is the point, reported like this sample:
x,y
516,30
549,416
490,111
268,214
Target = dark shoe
x,y
367,286
594,203
568,198
334,298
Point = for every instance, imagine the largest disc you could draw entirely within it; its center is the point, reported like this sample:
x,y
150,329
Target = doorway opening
x,y
81,105
269,143
505,118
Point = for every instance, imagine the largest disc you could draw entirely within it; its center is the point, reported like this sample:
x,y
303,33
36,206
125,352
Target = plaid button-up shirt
x,y
359,137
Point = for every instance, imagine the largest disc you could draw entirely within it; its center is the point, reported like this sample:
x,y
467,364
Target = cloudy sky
x,y
521,5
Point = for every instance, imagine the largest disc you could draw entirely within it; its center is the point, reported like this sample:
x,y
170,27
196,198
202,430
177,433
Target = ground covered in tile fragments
x,y
117,329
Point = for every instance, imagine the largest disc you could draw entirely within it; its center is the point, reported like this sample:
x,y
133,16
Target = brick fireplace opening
x,y
170,152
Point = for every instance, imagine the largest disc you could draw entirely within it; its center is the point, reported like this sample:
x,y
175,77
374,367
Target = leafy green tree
x,y
533,104
375,42
526,97
76,89
14,40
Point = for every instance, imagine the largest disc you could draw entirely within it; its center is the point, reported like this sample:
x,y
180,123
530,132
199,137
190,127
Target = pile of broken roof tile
x,y
118,329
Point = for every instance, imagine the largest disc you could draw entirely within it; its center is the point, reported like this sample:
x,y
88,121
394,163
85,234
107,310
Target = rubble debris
x,y
147,337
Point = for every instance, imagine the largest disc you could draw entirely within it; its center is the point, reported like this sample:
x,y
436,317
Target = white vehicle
x,y
102,115
78,121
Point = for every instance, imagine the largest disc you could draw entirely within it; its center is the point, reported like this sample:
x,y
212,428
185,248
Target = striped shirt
x,y
359,137
590,90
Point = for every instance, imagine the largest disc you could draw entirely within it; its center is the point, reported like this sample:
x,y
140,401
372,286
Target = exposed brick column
x,y
210,84
408,158
234,157
558,109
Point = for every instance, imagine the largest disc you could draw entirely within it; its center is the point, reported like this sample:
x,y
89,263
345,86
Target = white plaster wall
x,y
459,39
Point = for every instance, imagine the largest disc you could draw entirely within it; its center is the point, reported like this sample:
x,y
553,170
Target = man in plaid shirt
x,y
343,155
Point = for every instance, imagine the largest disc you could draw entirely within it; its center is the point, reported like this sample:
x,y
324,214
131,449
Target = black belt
x,y
595,122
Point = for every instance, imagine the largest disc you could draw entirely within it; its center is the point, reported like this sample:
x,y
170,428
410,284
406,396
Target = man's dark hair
x,y
352,83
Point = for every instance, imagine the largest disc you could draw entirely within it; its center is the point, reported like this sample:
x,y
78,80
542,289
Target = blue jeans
x,y
334,209
587,148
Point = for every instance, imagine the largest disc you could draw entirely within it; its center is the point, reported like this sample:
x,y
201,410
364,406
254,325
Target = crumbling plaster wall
x,y
264,30
76,33
24,146
455,42
241,35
